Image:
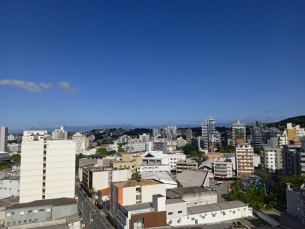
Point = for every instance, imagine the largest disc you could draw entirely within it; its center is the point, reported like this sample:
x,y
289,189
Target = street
x,y
88,209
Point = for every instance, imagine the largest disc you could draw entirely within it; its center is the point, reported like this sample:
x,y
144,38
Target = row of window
x,y
29,211
170,213
19,222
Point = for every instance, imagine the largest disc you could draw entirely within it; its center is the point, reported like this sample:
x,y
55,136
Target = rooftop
x,y
155,164
175,193
173,201
8,201
187,161
135,207
105,191
190,178
214,207
133,183
163,177
54,202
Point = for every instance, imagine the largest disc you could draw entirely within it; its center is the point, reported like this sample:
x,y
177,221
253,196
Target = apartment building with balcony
x,y
223,168
244,159
186,165
128,161
47,167
293,160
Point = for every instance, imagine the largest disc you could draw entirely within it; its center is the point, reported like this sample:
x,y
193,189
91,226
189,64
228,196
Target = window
x,y
35,211
138,197
48,210
30,220
179,212
8,214
13,213
19,222
29,211
8,224
138,223
36,220
170,213
41,210
21,213
14,222
24,221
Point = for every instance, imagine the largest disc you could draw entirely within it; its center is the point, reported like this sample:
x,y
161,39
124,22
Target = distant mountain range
x,y
298,120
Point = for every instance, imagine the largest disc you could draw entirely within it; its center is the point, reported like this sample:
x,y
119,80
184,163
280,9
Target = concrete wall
x,y
266,218
175,209
148,191
38,214
9,188
202,198
129,195
64,210
211,217
100,180
121,175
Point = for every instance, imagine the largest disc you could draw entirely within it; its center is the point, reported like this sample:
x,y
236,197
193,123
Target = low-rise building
x,y
39,211
9,186
186,165
208,214
213,156
152,167
163,177
193,196
133,192
129,161
223,168
191,178
143,215
99,177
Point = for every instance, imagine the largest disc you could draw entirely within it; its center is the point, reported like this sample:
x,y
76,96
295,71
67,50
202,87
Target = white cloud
x,y
46,86
66,87
29,86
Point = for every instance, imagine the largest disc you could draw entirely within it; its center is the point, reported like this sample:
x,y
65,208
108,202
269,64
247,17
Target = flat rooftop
x,y
178,192
133,183
173,201
135,207
214,207
54,202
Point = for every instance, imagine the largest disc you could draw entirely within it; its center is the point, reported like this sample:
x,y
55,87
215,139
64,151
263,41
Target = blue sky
x,y
150,62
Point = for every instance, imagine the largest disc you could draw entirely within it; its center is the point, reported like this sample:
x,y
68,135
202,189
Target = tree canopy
x,y
189,149
4,165
16,158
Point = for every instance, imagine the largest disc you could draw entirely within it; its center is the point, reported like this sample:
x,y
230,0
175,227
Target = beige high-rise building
x,y
47,167
244,159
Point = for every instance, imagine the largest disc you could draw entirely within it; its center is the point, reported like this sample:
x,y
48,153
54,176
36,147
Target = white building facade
x,y
80,141
47,167
3,138
9,187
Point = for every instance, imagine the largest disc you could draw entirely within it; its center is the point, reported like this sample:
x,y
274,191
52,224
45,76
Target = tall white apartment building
x,y
238,132
11,137
80,141
3,138
59,134
47,167
144,137
244,159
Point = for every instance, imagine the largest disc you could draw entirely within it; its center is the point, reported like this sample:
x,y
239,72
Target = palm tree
x,y
136,176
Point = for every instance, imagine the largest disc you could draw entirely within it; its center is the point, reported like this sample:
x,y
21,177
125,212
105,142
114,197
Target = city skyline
x,y
150,63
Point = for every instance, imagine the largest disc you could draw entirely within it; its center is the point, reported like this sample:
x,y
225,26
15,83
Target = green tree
x,y
101,151
16,158
230,149
188,148
121,150
136,176
280,188
261,173
4,165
